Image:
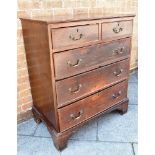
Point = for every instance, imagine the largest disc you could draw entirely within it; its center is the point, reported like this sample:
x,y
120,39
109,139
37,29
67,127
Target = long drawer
x,y
71,89
80,60
90,106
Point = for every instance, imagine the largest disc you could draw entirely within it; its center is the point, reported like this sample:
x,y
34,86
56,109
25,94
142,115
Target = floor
x,y
113,134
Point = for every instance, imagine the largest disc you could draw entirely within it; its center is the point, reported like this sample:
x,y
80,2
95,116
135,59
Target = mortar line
x,y
35,129
78,139
133,149
32,136
101,141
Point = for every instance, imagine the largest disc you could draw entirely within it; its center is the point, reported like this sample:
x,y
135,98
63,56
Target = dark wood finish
x,y
66,91
76,61
82,85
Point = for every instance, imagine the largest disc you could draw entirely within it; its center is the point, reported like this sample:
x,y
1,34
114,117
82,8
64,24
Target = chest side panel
x,y
38,60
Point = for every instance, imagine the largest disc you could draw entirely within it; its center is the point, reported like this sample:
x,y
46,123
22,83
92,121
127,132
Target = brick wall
x,y
32,8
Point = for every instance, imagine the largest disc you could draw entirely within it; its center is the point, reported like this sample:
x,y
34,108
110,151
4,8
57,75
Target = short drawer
x,y
76,36
79,60
115,30
75,113
71,89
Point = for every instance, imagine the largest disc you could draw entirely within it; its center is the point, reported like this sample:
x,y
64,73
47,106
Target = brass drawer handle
x,y
77,115
76,64
117,29
76,90
77,36
118,73
116,95
119,51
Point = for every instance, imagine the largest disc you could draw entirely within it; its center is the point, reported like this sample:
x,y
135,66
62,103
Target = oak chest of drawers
x,y
78,69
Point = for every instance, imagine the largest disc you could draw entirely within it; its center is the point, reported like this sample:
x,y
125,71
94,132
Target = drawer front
x,y
71,37
79,60
74,88
115,30
77,112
